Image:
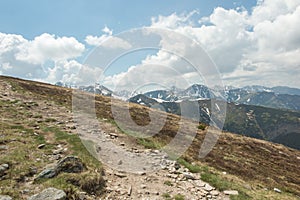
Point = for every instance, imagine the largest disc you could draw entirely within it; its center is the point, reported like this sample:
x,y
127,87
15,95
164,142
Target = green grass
x,y
179,197
189,166
222,184
202,127
148,143
77,146
167,196
168,183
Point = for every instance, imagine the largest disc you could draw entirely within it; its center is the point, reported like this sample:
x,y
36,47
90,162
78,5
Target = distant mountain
x,y
162,95
286,90
97,89
280,126
250,95
276,97
264,98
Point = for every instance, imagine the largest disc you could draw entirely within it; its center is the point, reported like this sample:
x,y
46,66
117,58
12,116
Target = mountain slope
x,y
253,167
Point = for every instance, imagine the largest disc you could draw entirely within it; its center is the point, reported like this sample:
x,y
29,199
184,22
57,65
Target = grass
x,y
149,143
179,197
202,127
77,146
189,166
167,196
168,183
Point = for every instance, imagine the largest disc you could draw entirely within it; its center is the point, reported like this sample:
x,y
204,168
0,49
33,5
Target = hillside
x,y
38,129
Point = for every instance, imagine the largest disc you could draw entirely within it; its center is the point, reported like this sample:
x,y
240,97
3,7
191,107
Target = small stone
x,y
3,169
199,183
231,192
120,175
129,190
277,190
143,186
189,176
41,146
57,151
214,193
5,197
208,188
120,162
141,173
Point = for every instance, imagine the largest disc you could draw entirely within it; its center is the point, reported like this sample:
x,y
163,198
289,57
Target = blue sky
x,y
80,18
250,42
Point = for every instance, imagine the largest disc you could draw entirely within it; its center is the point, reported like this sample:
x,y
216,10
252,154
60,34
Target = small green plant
x,y
50,120
148,143
192,168
167,196
202,127
179,197
168,183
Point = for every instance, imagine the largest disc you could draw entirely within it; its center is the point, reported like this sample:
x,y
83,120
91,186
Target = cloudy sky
x,y
248,42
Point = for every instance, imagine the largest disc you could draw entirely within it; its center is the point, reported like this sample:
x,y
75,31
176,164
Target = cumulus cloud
x,y
107,40
48,47
35,59
259,46
256,46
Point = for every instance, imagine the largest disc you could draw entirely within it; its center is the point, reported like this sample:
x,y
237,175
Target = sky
x,y
246,42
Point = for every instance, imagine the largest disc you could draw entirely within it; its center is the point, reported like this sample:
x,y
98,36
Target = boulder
x,y
49,194
69,164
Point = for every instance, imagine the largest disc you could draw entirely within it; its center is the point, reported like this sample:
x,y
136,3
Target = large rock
x,y
49,194
5,197
69,164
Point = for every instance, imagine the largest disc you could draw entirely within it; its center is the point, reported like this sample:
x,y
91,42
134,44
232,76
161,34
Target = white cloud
x,y
261,46
72,72
48,47
258,46
35,58
107,40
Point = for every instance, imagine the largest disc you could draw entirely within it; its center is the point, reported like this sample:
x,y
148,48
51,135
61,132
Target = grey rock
x,y
3,147
189,176
208,188
3,169
49,194
5,197
70,164
47,173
